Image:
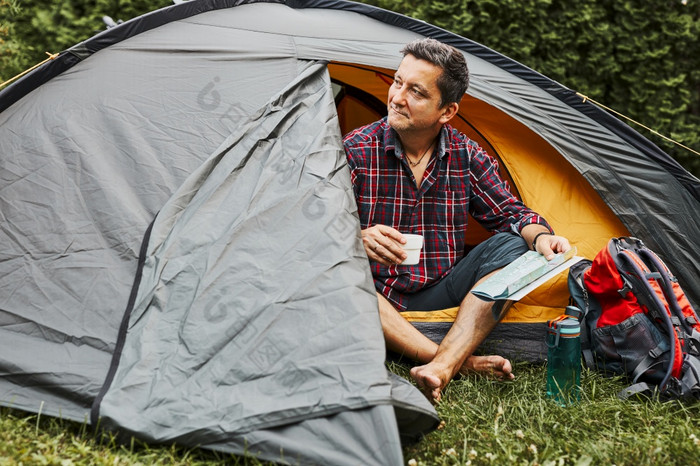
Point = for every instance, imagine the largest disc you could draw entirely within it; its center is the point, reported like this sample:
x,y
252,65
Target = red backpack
x,y
637,321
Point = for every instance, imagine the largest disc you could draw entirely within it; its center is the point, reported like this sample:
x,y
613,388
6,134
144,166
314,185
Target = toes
x,y
495,366
428,383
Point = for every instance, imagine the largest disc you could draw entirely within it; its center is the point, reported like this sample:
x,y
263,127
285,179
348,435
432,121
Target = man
x,y
413,173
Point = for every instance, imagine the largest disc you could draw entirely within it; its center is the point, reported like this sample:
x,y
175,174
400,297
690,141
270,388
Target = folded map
x,y
517,279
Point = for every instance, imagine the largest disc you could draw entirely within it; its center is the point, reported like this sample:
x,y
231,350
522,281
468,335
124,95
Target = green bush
x,y
30,28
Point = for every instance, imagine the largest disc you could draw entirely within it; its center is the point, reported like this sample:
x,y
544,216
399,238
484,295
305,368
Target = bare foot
x,y
495,366
430,381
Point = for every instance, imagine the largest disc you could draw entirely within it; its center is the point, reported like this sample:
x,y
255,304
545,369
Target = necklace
x,y
413,164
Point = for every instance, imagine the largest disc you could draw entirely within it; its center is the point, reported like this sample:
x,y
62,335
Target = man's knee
x,y
500,309
497,252
507,244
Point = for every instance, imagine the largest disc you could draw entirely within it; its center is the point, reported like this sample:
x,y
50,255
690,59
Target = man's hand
x,y
545,243
383,244
549,245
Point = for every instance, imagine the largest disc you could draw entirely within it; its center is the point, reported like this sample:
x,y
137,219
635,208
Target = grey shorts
x,y
492,254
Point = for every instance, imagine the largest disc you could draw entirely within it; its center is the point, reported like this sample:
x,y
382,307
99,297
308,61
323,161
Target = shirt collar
x,y
392,144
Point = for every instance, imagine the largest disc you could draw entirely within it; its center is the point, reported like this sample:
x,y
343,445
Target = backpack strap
x,y
690,382
666,279
649,361
678,303
641,388
628,266
693,343
587,307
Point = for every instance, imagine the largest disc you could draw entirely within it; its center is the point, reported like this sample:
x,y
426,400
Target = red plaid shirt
x,y
461,180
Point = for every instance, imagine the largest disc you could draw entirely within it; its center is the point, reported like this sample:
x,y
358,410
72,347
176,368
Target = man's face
x,y
414,98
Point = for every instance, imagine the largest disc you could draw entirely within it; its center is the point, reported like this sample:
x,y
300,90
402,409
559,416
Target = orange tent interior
x,y
536,172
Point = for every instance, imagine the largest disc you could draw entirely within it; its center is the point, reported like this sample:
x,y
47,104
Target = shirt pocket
x,y
388,210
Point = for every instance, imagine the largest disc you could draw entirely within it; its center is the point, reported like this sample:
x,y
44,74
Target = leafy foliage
x,y
30,28
13,56
638,58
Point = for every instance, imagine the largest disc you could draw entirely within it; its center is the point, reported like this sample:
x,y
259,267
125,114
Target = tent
x,y
181,257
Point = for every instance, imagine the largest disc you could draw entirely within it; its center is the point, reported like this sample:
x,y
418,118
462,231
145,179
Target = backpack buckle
x,y
624,290
693,342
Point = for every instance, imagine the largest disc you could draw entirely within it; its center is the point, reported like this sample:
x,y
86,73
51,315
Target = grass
x,y
489,422
485,422
32,439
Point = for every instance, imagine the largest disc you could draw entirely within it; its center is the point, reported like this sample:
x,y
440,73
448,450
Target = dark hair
x,y
454,80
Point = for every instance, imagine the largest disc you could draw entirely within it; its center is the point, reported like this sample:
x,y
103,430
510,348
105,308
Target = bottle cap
x,y
565,326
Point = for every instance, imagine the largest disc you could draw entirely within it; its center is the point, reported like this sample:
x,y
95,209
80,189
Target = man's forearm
x,y
529,232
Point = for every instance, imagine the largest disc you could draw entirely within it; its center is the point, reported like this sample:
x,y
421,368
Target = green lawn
x,y
490,422
485,422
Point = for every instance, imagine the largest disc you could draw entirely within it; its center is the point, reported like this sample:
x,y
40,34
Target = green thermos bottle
x,y
564,358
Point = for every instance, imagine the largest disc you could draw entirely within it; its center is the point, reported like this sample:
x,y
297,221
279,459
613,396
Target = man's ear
x,y
449,111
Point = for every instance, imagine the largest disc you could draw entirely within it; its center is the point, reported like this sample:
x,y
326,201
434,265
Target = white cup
x,y
413,246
